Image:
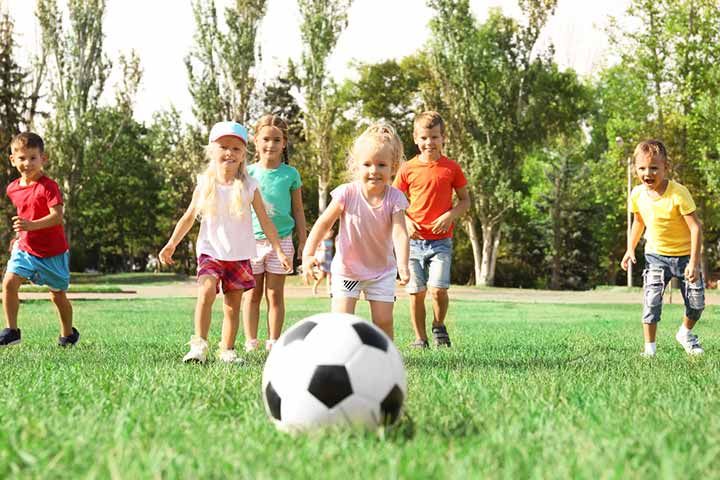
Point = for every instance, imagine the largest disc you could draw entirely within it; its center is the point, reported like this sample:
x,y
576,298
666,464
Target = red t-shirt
x,y
429,187
33,202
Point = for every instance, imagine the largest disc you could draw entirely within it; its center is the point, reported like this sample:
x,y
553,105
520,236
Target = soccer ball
x,y
333,369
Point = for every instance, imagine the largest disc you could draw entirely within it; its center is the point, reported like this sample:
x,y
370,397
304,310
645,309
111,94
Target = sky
x,y
161,32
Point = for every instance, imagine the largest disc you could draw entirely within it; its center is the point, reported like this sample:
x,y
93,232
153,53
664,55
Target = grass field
x,y
527,391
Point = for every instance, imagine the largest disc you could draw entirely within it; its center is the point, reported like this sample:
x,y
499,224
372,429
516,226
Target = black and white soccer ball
x,y
333,369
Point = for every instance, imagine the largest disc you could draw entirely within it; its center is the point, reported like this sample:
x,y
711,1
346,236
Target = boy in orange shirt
x,y
429,180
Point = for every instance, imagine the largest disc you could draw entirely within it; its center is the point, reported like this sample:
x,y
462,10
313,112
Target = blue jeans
x,y
659,270
430,262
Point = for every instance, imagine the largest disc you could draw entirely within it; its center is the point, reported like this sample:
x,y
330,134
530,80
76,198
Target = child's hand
x,y
166,254
691,273
284,261
628,257
308,268
404,276
22,224
442,224
412,229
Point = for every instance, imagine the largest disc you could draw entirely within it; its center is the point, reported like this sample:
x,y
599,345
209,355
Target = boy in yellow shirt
x,y
672,249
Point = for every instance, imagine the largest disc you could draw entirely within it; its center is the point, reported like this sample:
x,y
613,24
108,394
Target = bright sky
x,y
161,31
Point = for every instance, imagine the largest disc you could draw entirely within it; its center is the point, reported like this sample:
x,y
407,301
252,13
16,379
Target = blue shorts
x,y
659,270
430,262
51,271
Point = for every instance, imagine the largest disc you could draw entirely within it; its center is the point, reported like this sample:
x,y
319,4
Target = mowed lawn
x,y
527,391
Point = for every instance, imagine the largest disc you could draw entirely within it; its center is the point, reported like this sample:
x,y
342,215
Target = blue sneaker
x,y
9,336
70,340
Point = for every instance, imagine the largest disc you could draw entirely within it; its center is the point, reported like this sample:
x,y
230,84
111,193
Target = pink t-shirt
x,y
364,242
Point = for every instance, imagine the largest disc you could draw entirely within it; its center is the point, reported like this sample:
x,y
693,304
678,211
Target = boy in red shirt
x,y
429,181
40,251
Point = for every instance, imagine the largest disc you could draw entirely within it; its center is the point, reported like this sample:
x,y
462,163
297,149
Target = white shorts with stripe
x,y
380,289
267,260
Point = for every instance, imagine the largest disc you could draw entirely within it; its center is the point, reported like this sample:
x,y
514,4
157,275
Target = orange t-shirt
x,y
429,187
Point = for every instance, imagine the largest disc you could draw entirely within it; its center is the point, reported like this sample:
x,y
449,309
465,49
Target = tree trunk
x,y
322,193
490,243
469,225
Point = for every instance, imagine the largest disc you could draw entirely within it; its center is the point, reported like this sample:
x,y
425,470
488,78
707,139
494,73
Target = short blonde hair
x,y
380,134
429,119
651,148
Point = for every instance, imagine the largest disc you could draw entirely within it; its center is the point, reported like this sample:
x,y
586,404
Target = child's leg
x,y
382,315
251,308
418,313
649,331
11,298
207,285
232,301
318,280
343,304
65,311
275,291
441,301
328,282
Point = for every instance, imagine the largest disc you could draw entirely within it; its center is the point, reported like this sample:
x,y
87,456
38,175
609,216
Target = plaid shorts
x,y
233,274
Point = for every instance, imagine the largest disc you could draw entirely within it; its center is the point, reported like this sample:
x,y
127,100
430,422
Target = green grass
x,y
527,391
75,289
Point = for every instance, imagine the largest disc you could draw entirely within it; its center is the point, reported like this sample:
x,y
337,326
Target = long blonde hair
x,y
207,189
380,134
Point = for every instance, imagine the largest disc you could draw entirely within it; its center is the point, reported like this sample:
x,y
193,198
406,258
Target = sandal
x,y
420,343
442,339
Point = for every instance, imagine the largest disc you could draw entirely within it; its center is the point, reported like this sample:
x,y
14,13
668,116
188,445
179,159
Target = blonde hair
x,y
381,135
651,148
272,120
207,189
429,119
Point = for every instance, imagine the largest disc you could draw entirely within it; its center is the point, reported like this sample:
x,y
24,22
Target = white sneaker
x,y
269,345
251,345
229,356
198,350
690,343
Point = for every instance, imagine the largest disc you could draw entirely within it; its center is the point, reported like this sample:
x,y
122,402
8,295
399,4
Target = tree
x,y
500,103
322,23
78,70
220,64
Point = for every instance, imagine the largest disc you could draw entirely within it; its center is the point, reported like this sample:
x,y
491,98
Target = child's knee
x,y
12,282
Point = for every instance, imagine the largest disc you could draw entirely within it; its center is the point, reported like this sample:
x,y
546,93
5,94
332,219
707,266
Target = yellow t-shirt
x,y
666,231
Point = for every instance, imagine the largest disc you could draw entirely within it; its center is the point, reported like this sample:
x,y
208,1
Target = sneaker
x,y
269,345
9,336
229,356
70,340
690,343
198,350
251,345
420,344
442,339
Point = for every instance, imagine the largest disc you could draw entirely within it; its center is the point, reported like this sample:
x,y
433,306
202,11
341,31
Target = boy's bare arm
x,y
55,217
692,271
638,228
443,223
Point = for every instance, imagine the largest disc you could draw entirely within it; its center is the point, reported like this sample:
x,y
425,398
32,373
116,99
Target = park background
x,y
545,147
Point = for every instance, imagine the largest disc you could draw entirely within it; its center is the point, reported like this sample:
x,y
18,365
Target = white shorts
x,y
379,289
267,260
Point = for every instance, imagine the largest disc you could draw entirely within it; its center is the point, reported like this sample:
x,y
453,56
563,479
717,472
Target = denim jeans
x,y
659,270
430,262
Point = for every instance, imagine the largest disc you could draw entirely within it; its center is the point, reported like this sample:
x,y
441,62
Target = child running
x,y
225,244
324,255
672,249
280,187
429,181
40,250
372,221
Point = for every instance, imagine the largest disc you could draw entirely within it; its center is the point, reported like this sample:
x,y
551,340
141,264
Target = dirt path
x,y
188,289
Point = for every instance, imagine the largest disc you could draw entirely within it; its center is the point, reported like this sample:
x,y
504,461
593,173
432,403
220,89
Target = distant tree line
x,y
538,144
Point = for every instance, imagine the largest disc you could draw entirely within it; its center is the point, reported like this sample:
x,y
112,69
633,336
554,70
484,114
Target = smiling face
x,y
228,153
374,165
651,170
29,161
429,141
269,143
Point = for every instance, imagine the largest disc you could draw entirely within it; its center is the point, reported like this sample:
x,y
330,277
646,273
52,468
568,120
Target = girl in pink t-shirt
x,y
372,222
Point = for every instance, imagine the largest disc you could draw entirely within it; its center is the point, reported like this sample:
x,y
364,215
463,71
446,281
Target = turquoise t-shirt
x,y
276,186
